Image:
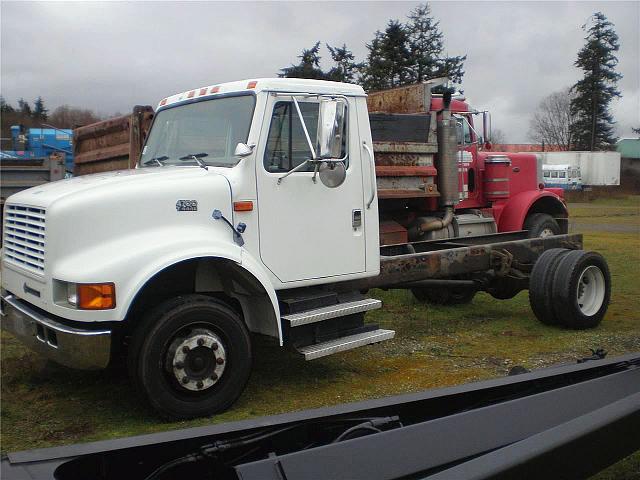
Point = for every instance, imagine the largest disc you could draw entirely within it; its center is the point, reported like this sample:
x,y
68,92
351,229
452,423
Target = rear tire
x,y
541,225
444,296
541,294
582,287
190,357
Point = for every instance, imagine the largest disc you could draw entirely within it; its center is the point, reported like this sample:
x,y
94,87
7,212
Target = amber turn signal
x,y
245,206
96,296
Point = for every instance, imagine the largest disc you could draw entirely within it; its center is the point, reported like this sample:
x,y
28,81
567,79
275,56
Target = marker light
x,y
252,84
245,206
191,94
203,91
215,89
163,102
96,296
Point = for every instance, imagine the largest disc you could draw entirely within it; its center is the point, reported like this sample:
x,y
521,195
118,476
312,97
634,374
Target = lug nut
x,y
200,342
214,377
199,384
214,345
185,349
219,360
180,365
185,380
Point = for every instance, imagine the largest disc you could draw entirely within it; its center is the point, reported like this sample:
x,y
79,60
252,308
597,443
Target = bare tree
x,y
72,117
498,137
552,120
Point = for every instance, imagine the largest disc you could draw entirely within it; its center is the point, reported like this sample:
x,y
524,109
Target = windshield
x,y
210,129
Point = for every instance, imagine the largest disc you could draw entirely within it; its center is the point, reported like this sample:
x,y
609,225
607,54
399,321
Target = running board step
x,y
332,311
330,347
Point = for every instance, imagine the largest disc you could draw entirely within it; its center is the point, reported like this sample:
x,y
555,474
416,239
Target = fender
x,y
141,257
510,214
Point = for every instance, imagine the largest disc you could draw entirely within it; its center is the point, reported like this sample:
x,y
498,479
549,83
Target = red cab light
x,y
252,84
163,102
191,94
215,89
203,91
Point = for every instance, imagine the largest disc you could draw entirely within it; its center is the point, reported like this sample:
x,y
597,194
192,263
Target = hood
x,y
107,182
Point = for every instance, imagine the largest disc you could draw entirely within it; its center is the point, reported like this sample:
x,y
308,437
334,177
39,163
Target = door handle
x,y
373,174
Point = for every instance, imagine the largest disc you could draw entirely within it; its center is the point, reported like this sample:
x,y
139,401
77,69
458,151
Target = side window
x,y
546,174
554,174
563,174
287,145
463,130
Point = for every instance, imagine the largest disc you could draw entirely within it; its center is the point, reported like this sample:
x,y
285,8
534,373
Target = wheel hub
x,y
591,290
198,360
547,232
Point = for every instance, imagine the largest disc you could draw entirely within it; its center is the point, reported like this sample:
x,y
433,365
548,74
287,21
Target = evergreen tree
x,y
425,43
4,106
39,110
24,107
593,125
346,69
309,66
389,59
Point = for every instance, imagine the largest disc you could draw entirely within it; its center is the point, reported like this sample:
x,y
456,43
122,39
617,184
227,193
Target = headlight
x,y
85,296
72,294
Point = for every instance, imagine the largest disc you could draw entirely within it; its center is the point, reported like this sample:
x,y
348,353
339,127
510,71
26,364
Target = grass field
x,y
45,405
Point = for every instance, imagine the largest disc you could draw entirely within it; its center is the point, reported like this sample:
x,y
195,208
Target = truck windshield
x,y
213,127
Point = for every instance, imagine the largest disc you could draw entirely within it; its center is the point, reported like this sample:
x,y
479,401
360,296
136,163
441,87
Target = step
x,y
342,344
332,311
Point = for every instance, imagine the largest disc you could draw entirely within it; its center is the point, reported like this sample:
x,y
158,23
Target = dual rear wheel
x,y
571,288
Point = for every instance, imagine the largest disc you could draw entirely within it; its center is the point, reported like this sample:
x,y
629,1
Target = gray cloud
x,y
110,56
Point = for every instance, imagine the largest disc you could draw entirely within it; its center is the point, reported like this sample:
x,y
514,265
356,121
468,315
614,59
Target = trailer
x,y
569,421
596,168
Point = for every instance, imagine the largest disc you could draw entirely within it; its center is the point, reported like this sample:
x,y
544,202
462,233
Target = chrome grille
x,y
25,237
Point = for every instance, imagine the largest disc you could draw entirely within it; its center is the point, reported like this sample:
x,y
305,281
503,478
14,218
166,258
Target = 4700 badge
x,y
187,205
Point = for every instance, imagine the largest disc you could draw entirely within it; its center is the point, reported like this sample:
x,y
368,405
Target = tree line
x,y
37,115
401,54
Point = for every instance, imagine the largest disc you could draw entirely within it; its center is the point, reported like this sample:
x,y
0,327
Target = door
x,y
307,230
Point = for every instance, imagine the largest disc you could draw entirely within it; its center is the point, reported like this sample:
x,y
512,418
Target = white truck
x,y
254,209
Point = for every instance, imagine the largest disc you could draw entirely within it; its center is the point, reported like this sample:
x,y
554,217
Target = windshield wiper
x,y
158,160
198,158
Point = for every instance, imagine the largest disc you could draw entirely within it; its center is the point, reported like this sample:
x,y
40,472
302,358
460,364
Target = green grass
x,y
44,405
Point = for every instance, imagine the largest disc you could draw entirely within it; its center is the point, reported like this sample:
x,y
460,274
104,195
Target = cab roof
x,y
293,85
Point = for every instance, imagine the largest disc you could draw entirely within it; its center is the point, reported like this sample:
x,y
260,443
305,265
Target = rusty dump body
x,y
113,144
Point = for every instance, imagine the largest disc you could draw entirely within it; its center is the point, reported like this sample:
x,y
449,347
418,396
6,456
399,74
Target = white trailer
x,y
596,168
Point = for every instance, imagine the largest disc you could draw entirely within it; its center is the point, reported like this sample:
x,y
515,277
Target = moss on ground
x,y
44,405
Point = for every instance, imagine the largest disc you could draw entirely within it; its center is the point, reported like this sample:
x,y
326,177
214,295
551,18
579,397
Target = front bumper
x,y
69,346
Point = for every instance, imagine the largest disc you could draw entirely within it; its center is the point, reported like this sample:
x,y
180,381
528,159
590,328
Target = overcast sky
x,y
111,56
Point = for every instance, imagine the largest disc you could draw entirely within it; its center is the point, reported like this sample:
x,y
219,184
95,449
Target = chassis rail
x,y
496,254
568,421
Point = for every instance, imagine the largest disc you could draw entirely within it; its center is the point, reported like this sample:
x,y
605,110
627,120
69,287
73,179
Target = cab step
x,y
311,352
332,311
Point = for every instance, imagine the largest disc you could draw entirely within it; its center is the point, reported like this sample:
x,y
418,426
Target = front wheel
x,y
541,225
190,357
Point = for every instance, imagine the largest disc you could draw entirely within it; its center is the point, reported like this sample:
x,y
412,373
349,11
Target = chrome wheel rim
x,y
197,360
590,290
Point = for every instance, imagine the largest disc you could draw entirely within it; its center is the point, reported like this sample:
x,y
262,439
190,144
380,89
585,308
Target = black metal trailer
x,y
569,421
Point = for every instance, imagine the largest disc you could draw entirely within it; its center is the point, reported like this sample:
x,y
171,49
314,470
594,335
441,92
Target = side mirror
x,y
332,174
330,128
243,150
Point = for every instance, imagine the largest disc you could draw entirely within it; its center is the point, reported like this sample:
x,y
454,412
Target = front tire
x,y
541,225
190,357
